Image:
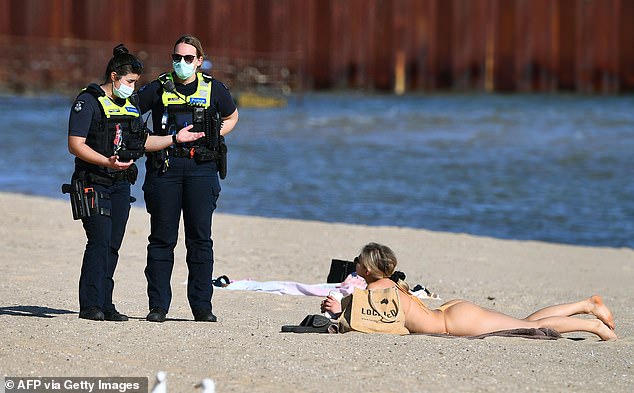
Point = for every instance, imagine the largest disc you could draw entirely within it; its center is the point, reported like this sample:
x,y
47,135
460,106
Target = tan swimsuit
x,y
442,310
426,309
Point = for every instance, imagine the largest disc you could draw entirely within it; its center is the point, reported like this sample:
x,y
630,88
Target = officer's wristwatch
x,y
174,141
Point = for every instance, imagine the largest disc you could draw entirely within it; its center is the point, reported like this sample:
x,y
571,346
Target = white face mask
x,y
124,91
183,70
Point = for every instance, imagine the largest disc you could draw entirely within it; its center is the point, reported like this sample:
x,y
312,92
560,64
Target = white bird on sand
x,y
160,386
207,385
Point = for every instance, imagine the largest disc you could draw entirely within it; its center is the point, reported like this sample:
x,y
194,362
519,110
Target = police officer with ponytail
x,y
106,135
185,178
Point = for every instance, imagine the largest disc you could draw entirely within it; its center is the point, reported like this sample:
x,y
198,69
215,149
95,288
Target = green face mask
x,y
183,69
124,91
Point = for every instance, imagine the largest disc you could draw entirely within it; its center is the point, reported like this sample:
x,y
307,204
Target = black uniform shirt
x,y
150,98
85,111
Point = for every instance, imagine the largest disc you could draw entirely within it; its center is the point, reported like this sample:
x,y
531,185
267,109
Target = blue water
x,y
556,168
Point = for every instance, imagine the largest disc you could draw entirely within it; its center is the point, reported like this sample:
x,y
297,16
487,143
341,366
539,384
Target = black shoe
x,y
156,314
114,315
93,313
204,316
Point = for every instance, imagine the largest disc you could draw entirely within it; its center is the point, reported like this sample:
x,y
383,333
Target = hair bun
x,y
119,50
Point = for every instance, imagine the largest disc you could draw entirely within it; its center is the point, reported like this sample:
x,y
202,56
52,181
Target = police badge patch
x,y
79,105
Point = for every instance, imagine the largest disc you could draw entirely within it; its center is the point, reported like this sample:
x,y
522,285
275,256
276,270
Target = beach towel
x,y
283,287
541,334
297,288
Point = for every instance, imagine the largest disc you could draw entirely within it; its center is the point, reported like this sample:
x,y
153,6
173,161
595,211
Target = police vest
x,y
197,109
120,131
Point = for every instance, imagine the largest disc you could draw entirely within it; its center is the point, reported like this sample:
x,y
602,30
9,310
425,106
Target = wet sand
x,y
245,351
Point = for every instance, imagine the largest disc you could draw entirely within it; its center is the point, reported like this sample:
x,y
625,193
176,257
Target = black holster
x,y
132,173
203,154
222,160
84,200
159,159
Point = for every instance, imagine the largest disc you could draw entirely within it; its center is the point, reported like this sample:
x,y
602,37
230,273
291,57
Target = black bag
x,y
339,270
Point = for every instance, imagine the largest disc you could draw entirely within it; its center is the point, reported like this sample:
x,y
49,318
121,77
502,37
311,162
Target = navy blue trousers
x,y
104,235
193,189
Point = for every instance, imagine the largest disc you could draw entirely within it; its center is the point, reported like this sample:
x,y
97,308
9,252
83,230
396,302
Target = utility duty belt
x,y
160,159
107,179
201,154
84,200
182,152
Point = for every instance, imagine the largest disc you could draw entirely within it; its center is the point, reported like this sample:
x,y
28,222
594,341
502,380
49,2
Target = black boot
x,y
156,314
93,313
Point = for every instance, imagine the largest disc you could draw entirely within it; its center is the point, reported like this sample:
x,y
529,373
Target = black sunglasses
x,y
188,58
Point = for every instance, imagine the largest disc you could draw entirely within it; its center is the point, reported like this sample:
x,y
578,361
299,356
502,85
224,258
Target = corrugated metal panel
x,y
626,45
511,45
471,43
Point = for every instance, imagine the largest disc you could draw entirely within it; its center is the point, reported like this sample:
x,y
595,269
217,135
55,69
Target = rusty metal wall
x,y
403,45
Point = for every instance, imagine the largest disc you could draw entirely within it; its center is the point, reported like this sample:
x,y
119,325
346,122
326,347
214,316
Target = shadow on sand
x,y
33,311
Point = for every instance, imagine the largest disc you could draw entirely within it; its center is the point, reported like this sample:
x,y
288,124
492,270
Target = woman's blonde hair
x,y
378,259
381,262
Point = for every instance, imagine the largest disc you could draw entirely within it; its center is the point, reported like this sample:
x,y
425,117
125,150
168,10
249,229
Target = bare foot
x,y
601,311
605,332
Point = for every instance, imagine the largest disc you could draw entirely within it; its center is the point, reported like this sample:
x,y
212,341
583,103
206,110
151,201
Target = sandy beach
x,y
245,351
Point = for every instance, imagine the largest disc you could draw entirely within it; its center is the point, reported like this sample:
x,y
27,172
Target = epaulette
x,y
163,77
207,77
134,99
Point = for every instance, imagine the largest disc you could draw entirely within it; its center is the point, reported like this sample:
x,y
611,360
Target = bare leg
x,y
467,319
593,305
571,324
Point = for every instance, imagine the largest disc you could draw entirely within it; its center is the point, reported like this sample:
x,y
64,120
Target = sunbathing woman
x,y
377,263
